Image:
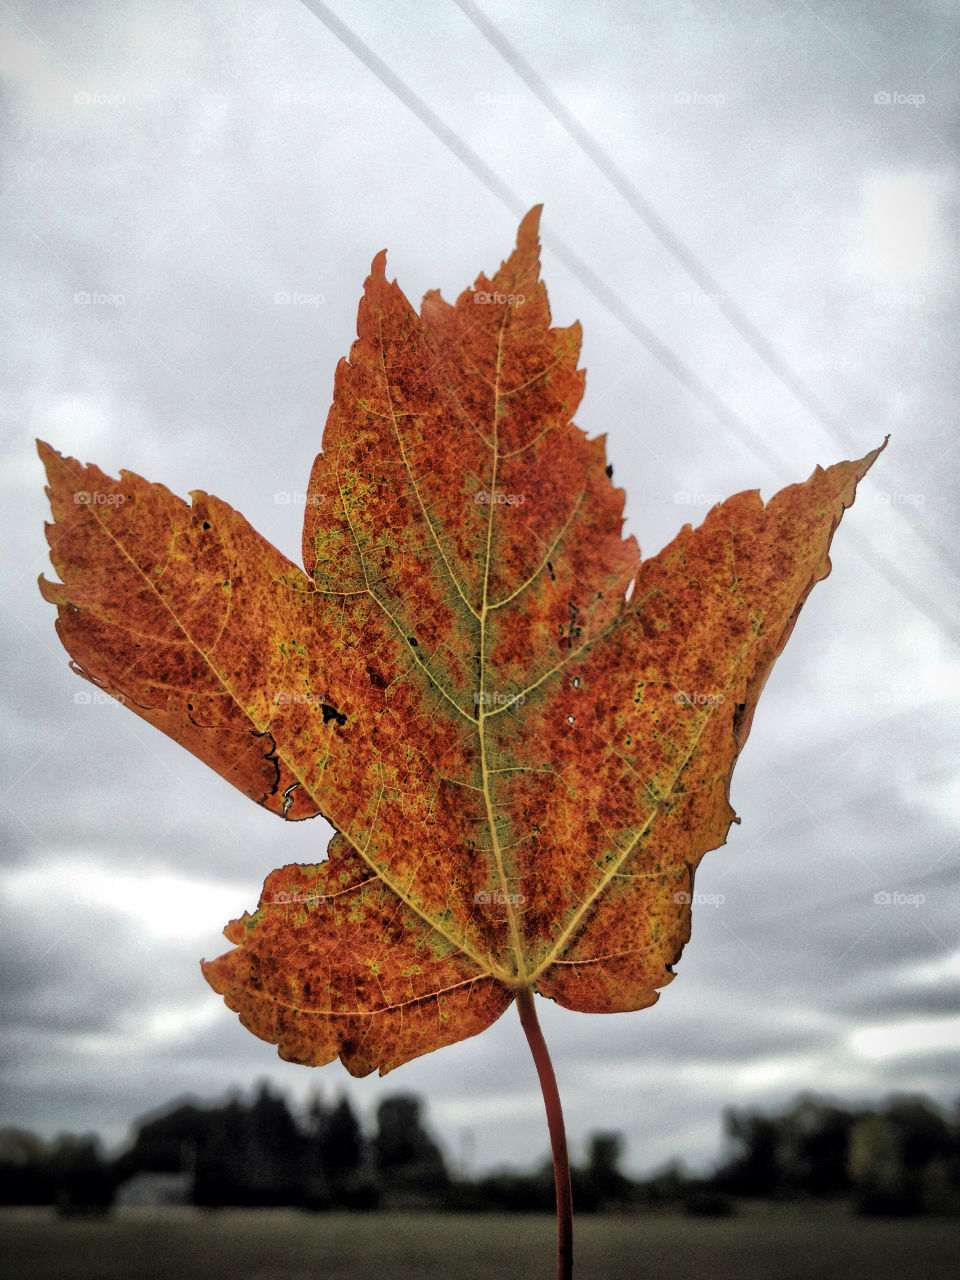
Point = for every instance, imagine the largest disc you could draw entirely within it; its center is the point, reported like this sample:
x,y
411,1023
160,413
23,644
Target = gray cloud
x,y
234,153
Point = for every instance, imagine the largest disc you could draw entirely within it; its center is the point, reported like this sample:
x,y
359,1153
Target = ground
x,y
789,1243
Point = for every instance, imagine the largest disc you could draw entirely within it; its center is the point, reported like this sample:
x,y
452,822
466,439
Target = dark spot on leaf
x,y
331,713
610,469
411,640
206,524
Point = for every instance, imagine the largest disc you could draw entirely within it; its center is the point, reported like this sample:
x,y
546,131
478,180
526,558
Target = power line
x,y
741,322
607,298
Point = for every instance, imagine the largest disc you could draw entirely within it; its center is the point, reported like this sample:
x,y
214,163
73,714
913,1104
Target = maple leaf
x,y
522,734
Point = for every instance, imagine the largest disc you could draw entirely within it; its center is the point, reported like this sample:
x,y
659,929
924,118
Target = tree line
x,y
901,1157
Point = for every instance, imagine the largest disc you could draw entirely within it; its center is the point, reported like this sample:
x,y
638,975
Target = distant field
x,y
767,1244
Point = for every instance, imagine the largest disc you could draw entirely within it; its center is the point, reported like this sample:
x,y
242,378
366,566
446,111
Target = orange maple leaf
x,y
522,734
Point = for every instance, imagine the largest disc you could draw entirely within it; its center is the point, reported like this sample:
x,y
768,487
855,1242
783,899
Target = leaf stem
x,y
558,1135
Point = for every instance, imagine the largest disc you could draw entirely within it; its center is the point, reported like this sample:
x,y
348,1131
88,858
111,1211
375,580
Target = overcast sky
x,y
183,165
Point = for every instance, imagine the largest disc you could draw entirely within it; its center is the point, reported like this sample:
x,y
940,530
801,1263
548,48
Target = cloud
x,y
231,154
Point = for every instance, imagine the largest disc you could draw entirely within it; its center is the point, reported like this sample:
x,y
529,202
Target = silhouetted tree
x,y
336,1159
599,1184
509,1192
754,1170
82,1179
406,1158
876,1167
811,1148
25,1173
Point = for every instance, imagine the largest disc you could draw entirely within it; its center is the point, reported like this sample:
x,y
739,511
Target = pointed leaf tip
x,y
522,768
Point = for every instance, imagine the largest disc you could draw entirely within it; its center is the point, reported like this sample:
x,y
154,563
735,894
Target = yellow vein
x,y
556,668
410,475
481,710
549,552
401,631
376,1013
484,965
614,870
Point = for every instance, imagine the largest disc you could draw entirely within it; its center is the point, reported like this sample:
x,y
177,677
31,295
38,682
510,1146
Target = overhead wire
x,y
691,381
758,342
